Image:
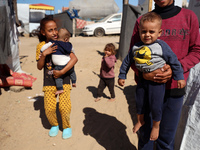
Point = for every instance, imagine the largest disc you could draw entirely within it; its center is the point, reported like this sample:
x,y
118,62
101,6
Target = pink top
x,y
107,67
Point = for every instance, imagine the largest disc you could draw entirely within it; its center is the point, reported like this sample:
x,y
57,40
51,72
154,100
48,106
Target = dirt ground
x,y
95,125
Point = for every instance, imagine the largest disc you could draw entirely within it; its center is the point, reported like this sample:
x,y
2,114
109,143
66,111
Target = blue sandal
x,y
67,133
53,131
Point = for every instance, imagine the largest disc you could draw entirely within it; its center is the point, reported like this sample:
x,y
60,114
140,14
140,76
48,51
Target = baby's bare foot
x,y
59,92
137,126
154,133
97,99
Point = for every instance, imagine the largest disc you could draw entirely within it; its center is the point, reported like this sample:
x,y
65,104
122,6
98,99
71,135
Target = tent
x,y
194,5
10,69
9,51
41,6
94,9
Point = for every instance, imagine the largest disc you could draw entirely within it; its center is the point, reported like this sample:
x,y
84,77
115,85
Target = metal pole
x,y
125,2
74,27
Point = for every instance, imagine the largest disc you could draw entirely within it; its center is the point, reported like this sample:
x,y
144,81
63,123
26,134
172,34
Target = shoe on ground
x,y
67,133
53,131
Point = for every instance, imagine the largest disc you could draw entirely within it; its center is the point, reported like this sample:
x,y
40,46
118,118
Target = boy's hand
x,y
181,84
160,75
121,82
51,49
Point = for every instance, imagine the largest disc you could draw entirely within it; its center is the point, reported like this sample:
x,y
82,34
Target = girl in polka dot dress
x,y
48,31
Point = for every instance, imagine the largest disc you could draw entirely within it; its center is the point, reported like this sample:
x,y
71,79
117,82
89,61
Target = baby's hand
x,y
181,84
121,82
51,49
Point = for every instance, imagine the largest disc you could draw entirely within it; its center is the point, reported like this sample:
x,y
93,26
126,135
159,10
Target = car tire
x,y
99,32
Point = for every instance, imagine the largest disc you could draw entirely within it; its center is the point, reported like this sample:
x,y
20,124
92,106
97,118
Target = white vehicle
x,y
109,25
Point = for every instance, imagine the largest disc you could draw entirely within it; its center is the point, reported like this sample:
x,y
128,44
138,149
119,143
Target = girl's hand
x,y
160,75
181,84
51,49
106,55
57,73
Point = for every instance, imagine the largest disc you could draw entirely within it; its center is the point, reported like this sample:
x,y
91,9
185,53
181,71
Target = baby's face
x,y
149,31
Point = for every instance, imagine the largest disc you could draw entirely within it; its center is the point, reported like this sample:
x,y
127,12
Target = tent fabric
x,y
130,15
5,49
194,5
10,78
41,6
189,124
63,21
94,9
12,59
80,23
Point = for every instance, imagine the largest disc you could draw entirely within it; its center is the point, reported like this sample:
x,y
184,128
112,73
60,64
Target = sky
x,y
58,4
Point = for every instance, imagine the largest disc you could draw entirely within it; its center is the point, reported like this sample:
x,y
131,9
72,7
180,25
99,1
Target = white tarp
x,y
23,15
90,9
191,136
13,59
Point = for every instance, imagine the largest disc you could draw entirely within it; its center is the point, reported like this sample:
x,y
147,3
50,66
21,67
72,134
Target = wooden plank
x,y
150,5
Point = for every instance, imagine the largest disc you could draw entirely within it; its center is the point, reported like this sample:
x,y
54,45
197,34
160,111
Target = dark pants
x,y
170,117
152,92
109,82
59,81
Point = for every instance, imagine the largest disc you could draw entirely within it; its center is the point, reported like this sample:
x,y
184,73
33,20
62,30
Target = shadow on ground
x,y
100,53
107,130
39,105
129,92
93,90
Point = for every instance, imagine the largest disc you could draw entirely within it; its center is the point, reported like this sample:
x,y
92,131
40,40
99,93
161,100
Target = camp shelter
x,y
63,20
41,6
31,14
194,5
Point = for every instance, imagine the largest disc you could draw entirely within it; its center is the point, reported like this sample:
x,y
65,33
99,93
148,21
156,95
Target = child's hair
x,y
43,22
63,33
110,47
151,17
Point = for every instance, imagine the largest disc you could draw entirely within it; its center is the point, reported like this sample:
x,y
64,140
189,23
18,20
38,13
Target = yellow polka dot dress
x,y
50,100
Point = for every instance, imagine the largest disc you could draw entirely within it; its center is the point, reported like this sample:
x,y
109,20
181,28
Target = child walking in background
x,y
61,57
48,31
107,75
149,55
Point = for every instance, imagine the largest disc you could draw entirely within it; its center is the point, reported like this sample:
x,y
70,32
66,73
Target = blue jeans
x,y
59,81
154,93
170,117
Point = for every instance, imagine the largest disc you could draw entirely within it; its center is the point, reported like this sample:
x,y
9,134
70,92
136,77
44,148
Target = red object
x,y
40,4
10,78
80,23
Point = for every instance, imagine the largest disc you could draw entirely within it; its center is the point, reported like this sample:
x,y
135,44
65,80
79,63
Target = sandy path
x,y
95,125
